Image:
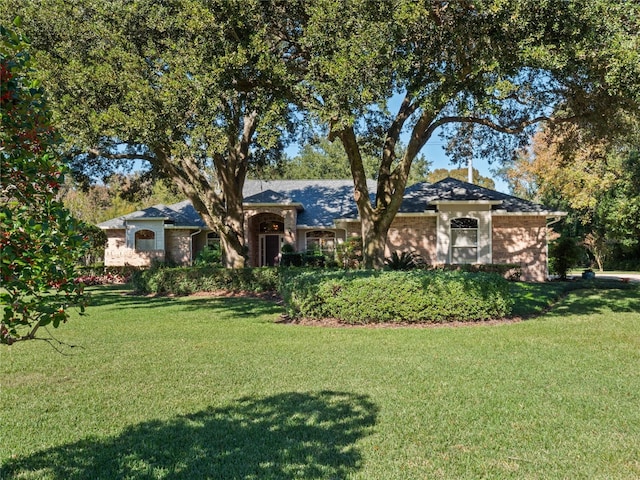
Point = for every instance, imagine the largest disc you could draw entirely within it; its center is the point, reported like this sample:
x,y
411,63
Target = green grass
x,y
183,388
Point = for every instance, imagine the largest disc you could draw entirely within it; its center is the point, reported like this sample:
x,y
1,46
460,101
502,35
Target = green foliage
x,y
208,256
404,261
349,253
188,280
193,92
564,254
40,241
416,296
483,73
509,271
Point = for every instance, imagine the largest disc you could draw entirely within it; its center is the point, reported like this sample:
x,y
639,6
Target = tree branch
x,y
120,156
493,125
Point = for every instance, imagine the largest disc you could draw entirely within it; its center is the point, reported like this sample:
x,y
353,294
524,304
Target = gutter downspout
x,y
191,245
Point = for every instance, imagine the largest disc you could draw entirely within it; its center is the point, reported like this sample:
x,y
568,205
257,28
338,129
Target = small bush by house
x,y
395,296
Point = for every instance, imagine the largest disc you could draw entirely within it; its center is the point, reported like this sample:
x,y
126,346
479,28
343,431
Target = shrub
x,y
564,253
187,280
208,256
510,271
105,275
395,296
404,261
292,259
349,253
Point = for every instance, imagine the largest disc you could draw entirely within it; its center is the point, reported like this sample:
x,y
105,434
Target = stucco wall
x,y
481,213
522,240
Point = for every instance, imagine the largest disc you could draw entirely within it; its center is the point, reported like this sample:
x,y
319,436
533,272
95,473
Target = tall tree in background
x,y
322,159
478,67
40,241
191,91
596,180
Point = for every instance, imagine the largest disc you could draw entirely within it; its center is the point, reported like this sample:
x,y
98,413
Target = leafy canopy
x,y
39,239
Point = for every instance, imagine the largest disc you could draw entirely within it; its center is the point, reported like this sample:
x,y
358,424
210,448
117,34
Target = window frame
x,y
143,241
325,239
460,229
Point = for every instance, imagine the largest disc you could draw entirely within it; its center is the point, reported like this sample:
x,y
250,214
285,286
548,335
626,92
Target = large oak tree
x,y
596,180
474,68
189,90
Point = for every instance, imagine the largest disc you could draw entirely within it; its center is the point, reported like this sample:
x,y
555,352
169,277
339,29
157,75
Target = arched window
x,y
321,240
273,226
145,240
464,240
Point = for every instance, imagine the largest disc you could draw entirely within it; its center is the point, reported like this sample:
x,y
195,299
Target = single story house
x,y
447,222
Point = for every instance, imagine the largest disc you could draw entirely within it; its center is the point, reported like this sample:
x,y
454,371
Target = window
x,y
213,241
272,227
464,240
145,240
323,241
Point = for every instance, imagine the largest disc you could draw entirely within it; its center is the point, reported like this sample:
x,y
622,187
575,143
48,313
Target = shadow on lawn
x,y
600,298
118,298
291,435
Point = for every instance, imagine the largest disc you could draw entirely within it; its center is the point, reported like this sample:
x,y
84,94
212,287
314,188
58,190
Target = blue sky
x,y
434,152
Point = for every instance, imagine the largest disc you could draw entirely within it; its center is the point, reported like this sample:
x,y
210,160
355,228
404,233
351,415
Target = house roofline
x,y
465,202
297,205
498,213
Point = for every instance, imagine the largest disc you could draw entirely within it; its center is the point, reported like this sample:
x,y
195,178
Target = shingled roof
x,y
321,202
180,214
426,196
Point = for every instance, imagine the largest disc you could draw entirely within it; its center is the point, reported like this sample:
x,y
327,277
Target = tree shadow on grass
x,y
285,436
599,298
120,298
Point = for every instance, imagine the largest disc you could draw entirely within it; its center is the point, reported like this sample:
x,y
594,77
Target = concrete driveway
x,y
633,277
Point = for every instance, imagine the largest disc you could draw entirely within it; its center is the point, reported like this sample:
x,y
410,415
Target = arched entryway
x,y
266,239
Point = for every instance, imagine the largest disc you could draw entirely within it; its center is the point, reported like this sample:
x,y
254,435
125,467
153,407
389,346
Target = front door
x,y
270,250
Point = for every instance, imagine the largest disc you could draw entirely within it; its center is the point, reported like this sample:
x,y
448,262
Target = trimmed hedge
x,y
395,296
188,280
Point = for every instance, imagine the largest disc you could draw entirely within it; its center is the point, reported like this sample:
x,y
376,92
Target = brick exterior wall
x,y
178,246
414,233
517,239
116,254
521,240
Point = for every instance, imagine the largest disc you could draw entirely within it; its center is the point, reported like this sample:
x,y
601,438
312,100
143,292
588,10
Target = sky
x,y
435,153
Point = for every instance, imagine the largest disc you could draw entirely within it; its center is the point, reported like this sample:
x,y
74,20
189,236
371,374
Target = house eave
x,y
296,205
504,213
186,227
466,202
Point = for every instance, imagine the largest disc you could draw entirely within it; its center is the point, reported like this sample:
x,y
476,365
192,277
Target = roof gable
x,y
425,196
323,201
269,196
180,214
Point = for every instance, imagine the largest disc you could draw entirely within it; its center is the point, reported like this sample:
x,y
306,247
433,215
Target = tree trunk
x,y
232,235
374,239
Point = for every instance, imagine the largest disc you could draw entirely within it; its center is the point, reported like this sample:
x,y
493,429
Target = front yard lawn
x,y
204,387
